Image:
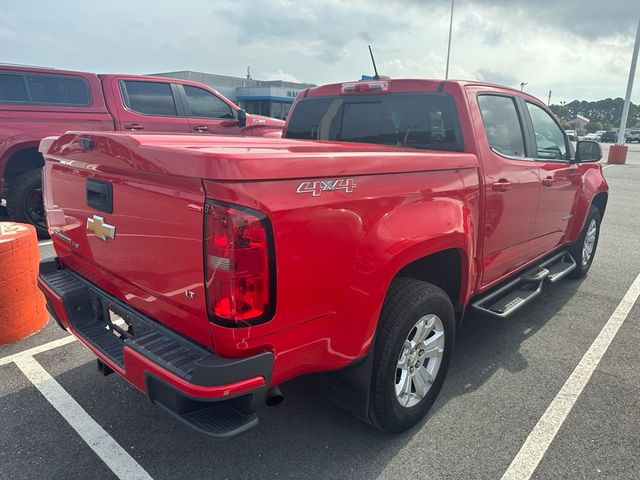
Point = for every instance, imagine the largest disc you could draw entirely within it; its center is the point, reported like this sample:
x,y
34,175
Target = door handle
x,y
201,128
134,126
501,185
548,181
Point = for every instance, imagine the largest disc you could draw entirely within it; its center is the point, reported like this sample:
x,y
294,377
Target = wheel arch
x,y
18,160
594,191
446,269
350,387
600,201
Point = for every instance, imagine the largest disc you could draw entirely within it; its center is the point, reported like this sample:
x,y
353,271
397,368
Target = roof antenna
x,y
375,69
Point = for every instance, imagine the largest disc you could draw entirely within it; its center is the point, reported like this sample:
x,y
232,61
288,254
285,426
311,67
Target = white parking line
x,y
608,166
39,349
107,449
538,441
45,242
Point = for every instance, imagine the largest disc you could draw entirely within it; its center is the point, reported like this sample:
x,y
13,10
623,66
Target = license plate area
x,y
118,323
118,320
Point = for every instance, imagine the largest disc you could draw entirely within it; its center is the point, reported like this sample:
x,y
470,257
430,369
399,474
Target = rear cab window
x,y
418,120
502,124
148,98
44,89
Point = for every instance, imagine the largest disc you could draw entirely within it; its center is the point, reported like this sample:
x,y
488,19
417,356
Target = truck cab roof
x,y
408,85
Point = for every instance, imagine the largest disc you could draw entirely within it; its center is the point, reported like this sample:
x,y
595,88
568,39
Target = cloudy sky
x,y
576,48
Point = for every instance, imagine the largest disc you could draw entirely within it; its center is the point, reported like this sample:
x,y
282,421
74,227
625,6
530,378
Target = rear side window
x,y
205,104
149,98
12,89
425,121
58,90
63,90
502,124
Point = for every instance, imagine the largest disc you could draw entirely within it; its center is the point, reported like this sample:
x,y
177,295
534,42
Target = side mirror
x,y
588,151
242,118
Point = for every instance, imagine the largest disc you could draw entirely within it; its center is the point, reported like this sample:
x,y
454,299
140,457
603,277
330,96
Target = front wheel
x,y
584,249
413,348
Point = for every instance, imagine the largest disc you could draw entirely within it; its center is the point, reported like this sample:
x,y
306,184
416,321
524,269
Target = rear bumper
x,y
215,395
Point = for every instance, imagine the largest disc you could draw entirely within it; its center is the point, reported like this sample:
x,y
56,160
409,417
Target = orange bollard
x,y
617,154
22,305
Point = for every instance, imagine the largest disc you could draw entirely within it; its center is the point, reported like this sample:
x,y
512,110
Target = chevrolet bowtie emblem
x,y
103,231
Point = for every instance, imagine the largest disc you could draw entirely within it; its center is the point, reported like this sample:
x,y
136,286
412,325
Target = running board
x,y
515,294
562,268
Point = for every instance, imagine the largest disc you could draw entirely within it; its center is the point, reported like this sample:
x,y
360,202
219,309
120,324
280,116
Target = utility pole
x,y
627,98
549,101
446,73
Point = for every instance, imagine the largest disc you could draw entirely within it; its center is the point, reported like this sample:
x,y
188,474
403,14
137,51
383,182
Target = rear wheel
x,y
584,249
25,202
412,351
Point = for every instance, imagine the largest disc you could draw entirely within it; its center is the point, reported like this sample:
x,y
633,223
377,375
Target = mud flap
x,y
350,388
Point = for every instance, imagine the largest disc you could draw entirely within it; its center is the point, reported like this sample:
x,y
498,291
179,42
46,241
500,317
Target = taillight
x,y
240,269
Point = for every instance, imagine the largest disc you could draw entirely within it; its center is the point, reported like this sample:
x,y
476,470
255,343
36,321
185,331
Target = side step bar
x,y
511,297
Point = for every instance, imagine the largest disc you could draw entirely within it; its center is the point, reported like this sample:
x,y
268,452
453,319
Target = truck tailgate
x,y
133,232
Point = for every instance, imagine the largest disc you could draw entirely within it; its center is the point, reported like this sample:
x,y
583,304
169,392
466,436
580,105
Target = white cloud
x,y
279,75
560,46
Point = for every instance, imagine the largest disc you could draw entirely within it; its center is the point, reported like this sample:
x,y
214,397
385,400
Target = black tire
x,y
24,201
576,248
407,301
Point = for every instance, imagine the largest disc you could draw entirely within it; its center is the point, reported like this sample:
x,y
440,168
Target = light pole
x,y
446,73
522,85
627,98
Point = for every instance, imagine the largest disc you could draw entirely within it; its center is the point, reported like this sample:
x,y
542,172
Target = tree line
x,y
602,114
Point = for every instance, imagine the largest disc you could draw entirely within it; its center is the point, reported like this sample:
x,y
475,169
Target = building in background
x,y
578,124
271,98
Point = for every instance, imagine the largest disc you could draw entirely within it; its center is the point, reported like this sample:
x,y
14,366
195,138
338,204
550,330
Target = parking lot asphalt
x,y
503,377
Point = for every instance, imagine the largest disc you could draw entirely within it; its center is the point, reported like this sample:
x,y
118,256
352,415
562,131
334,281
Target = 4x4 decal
x,y
315,188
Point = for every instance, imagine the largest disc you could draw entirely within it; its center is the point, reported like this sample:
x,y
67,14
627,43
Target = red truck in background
x,y
39,102
208,271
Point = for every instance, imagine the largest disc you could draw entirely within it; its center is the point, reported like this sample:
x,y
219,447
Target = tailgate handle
x,y
100,195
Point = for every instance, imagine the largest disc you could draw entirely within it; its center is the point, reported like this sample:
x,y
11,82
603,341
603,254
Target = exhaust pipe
x,y
274,396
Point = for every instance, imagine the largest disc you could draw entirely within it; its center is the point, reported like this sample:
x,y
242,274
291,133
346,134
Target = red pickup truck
x,y
208,271
39,102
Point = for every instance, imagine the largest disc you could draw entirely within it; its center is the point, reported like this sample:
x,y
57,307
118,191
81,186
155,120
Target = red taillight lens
x,y
239,265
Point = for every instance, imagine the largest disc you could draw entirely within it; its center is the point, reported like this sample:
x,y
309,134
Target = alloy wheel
x,y
589,241
419,360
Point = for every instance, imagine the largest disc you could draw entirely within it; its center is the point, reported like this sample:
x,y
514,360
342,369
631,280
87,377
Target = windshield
x,y
426,121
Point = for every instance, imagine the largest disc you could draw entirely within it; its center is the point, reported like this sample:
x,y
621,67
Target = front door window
x,y
550,141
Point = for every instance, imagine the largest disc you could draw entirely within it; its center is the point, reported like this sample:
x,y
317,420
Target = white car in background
x,y
591,136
